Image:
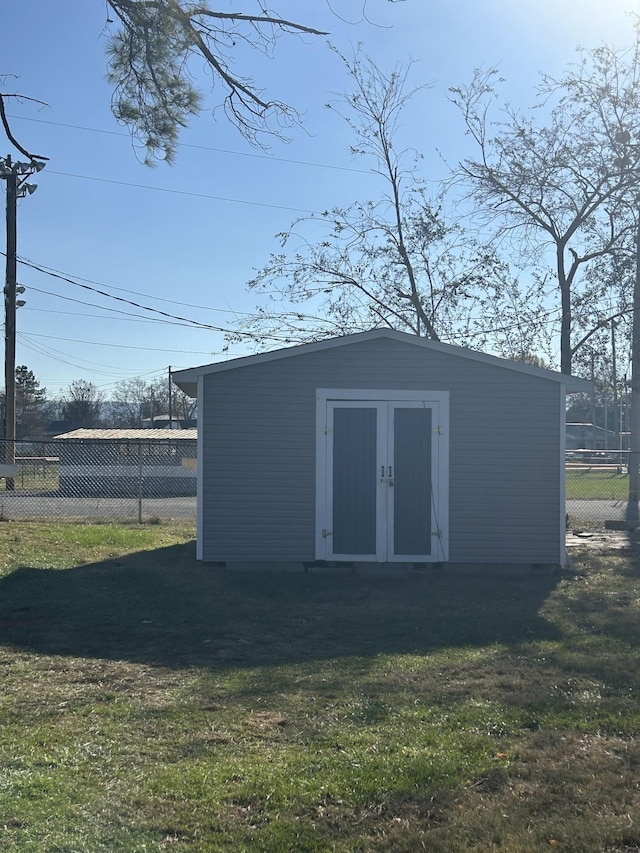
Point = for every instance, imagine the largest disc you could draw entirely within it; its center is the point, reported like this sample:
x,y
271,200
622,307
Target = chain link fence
x,y
142,479
597,487
132,479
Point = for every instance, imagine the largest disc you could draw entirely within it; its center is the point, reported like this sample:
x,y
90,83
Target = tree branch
x,y
7,128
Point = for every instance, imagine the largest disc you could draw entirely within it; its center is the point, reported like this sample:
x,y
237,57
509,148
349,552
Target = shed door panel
x,y
354,480
410,494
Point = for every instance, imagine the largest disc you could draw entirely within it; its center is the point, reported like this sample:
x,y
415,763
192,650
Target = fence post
x,y
139,482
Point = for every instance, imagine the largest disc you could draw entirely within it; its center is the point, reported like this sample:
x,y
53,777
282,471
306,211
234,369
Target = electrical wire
x,y
72,278
268,157
185,322
58,356
183,192
131,318
65,277
164,314
30,335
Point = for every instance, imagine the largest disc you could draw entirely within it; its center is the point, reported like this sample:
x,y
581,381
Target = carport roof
x,y
129,434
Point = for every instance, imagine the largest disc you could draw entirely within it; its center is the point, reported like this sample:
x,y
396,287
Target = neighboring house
x,y
127,462
379,447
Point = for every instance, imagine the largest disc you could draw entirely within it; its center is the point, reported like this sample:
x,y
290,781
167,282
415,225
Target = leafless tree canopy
x,y
562,179
394,261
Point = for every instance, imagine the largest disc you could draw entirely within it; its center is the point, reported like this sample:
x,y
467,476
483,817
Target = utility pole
x,y
15,175
170,402
10,323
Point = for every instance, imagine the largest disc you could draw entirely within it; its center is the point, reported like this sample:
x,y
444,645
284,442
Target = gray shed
x,y
379,447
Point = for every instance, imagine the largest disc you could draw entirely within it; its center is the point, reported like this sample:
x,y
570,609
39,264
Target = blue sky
x,y
185,239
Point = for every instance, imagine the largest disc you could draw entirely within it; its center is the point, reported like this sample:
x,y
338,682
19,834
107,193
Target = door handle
x,y
389,477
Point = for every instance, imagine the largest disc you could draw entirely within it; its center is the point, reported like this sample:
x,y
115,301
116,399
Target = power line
x,y
515,325
255,155
190,323
64,276
160,373
57,356
30,335
183,320
178,320
72,278
124,318
184,192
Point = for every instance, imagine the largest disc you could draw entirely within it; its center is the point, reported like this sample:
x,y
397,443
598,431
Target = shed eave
x,y
187,380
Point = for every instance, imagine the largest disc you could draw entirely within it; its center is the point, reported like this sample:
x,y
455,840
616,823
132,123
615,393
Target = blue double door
x,y
382,474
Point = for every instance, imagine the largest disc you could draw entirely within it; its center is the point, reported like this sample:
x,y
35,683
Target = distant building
x,y
55,428
583,436
127,462
166,422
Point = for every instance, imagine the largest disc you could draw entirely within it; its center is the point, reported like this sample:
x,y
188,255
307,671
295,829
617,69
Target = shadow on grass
x,y
161,607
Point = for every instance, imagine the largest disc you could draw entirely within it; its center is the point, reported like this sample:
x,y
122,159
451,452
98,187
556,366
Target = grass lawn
x,y
153,703
597,484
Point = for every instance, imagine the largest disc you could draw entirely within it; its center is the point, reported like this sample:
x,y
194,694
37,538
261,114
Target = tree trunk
x,y
565,320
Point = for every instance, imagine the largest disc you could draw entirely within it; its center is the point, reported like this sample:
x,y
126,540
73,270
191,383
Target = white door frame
x,y
438,401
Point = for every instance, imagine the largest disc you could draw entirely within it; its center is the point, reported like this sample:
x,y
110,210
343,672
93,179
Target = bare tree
x,y
510,318
81,403
559,181
134,400
392,262
130,403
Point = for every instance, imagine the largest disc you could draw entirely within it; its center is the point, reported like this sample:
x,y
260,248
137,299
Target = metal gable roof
x,y
148,435
187,379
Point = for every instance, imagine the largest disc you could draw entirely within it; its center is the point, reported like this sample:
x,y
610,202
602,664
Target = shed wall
x,y
258,452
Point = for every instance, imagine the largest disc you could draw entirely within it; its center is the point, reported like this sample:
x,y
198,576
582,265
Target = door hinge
x,y
437,430
327,429
437,533
326,532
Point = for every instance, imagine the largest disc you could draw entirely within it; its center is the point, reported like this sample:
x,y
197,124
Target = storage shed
x,y
379,448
